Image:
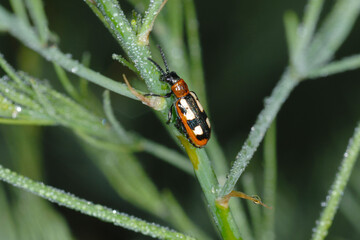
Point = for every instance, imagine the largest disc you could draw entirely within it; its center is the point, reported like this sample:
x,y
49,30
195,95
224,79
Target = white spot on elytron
x,y
189,115
198,131
197,102
208,122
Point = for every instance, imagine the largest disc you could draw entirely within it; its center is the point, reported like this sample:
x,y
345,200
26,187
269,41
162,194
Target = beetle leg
x,y
170,114
181,128
178,124
157,95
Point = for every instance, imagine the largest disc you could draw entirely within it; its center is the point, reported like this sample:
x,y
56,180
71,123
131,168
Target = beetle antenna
x,y
164,59
157,66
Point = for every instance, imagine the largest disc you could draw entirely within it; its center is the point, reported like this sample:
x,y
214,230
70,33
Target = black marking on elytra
x,y
182,108
197,102
200,119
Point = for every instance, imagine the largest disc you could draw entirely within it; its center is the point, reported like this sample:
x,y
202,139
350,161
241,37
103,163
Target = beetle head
x,y
170,78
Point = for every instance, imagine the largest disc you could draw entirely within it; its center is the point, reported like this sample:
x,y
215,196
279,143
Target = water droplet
x,y
74,69
16,111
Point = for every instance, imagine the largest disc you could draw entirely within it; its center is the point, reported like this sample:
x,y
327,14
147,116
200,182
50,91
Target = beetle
x,y
191,118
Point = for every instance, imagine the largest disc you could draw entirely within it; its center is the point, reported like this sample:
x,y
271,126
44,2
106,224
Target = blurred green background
x,y
244,54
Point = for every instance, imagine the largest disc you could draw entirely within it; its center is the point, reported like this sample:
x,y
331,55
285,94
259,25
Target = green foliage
x,y
27,100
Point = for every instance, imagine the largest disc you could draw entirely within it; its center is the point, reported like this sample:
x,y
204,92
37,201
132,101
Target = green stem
x,y
350,205
306,32
149,19
210,186
346,64
69,88
19,9
248,183
95,210
338,187
27,122
311,17
120,131
272,106
270,173
291,23
193,39
36,10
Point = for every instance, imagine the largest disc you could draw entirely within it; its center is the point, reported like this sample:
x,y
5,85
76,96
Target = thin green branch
x,y
170,156
36,10
193,40
169,30
95,210
97,12
175,23
345,64
100,144
179,216
9,70
149,20
18,97
19,9
83,84
282,90
27,122
338,187
27,36
291,23
333,32
120,131
270,173
69,88
311,17
305,34
350,206
124,62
